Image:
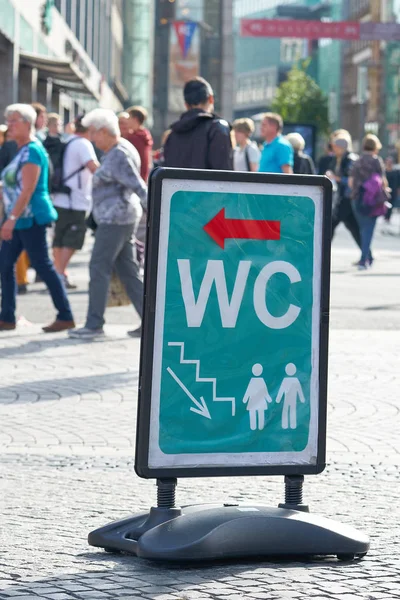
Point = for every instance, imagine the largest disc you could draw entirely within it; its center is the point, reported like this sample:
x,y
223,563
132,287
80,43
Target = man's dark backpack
x,y
56,148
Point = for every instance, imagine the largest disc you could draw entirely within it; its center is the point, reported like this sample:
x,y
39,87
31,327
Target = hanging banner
x,y
314,30
296,28
185,31
184,61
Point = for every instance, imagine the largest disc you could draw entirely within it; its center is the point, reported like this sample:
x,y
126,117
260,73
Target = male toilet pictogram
x,y
289,391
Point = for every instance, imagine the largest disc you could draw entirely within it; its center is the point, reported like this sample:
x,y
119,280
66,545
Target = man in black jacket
x,y
340,172
200,139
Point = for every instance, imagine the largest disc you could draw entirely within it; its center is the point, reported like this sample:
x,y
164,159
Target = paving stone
x,y
61,596
67,438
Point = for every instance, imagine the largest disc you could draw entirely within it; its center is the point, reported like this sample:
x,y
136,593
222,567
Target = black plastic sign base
x,y
213,532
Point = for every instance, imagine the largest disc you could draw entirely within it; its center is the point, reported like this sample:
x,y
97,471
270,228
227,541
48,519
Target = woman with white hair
x,y
29,211
118,196
303,163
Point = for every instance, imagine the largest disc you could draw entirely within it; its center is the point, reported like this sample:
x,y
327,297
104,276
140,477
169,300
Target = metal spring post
x,y
294,493
166,493
294,489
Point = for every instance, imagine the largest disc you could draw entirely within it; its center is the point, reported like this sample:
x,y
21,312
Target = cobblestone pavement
x,y
67,433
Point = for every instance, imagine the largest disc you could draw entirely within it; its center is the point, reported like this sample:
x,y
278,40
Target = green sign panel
x,y
236,344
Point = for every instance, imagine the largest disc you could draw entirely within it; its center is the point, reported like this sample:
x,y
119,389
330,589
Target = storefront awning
x,y
63,72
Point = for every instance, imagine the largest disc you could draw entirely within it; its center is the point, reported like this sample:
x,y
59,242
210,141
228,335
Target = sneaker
x,y
368,263
84,333
362,266
135,332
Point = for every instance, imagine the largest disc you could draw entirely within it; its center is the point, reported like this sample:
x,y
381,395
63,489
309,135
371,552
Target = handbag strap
x,y
246,156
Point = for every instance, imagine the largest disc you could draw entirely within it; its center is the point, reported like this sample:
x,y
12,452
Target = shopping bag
x,y
117,295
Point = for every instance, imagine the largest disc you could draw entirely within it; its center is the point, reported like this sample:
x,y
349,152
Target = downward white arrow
x,y
202,408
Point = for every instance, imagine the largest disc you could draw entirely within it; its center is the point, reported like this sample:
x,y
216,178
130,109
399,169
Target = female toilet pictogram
x,y
257,397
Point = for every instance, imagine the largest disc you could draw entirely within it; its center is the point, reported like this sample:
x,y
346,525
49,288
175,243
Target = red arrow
x,y
221,229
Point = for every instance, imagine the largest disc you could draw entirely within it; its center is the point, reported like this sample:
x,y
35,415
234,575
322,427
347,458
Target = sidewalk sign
x,y
237,303
233,370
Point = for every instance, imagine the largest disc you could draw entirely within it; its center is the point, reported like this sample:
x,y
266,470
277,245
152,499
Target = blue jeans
x,y
33,240
367,226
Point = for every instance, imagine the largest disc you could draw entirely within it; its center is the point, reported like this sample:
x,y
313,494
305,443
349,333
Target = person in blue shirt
x,y
277,154
29,211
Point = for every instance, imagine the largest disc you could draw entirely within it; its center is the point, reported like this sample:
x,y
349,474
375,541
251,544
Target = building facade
x,y
362,75
261,64
67,54
138,52
371,77
192,37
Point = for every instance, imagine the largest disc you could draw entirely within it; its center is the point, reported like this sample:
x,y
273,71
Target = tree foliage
x,y
299,99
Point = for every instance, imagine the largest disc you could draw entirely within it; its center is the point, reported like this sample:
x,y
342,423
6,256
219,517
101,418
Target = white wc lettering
x,y
229,309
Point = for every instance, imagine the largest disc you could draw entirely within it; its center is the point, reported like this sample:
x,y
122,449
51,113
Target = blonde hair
x,y
53,119
138,112
296,140
371,143
274,118
344,135
244,126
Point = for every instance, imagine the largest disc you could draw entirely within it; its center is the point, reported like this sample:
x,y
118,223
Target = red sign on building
x,y
314,30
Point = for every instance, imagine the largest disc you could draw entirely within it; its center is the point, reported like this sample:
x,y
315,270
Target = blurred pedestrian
x,y
368,184
393,178
41,120
119,193
69,129
246,155
74,199
123,123
303,164
53,141
277,155
327,161
23,262
29,211
7,151
3,134
342,211
132,129
136,133
200,139
158,155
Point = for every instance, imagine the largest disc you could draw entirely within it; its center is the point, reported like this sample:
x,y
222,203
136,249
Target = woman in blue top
x,y
28,210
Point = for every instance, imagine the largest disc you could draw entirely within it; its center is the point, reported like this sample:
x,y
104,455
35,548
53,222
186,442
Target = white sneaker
x,y
84,333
